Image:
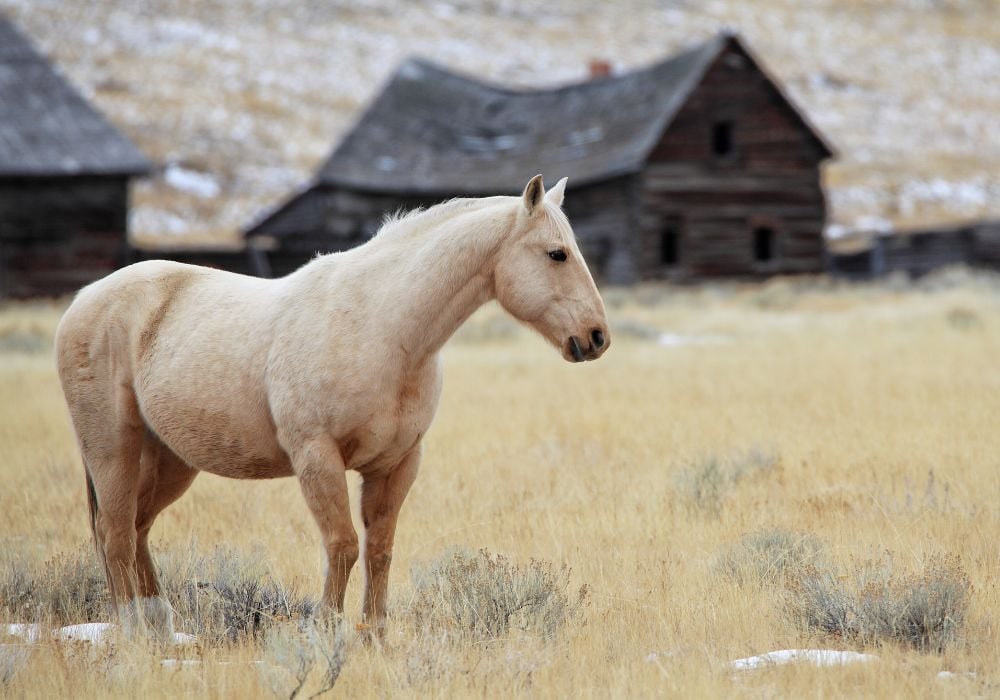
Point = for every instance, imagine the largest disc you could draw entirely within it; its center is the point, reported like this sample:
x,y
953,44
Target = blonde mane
x,y
427,218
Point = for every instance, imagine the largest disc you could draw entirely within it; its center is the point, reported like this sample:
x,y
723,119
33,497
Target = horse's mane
x,y
418,220
407,219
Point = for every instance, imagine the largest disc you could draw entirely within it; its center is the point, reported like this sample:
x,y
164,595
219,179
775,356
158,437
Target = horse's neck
x,y
424,281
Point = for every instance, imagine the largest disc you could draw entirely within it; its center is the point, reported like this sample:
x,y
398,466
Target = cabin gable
x,y
733,186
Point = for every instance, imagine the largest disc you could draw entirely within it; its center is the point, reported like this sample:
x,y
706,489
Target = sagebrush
x,y
484,596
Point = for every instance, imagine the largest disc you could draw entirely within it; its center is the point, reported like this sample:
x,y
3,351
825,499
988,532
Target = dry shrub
x,y
963,319
67,589
220,596
297,652
13,658
705,484
432,654
483,596
30,340
769,557
224,596
875,606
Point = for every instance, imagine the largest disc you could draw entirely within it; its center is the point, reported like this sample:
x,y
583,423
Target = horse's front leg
x,y
381,499
320,469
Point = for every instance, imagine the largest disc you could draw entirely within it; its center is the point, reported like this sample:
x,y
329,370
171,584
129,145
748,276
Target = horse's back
x,y
110,319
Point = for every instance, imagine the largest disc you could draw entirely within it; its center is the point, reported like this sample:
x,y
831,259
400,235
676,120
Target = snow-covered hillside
x,y
239,100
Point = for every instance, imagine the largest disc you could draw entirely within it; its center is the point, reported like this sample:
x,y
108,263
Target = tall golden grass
x,y
870,414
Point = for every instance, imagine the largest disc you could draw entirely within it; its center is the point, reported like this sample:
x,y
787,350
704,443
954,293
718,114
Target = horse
x,y
170,370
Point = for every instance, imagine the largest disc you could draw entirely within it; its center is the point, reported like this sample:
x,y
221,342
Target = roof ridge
x,y
433,130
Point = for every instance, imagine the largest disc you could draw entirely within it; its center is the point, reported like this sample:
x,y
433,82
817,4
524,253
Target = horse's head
x,y
542,279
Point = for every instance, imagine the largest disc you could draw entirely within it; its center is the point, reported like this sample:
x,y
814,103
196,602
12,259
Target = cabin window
x,y
763,244
722,139
670,244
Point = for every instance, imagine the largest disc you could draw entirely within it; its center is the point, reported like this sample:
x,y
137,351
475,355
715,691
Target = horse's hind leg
x,y
110,430
163,478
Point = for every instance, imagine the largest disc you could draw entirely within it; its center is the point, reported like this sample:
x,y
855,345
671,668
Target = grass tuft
x,y
705,484
771,556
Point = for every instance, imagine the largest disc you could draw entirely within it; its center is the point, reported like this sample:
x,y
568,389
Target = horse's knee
x,y
342,554
379,561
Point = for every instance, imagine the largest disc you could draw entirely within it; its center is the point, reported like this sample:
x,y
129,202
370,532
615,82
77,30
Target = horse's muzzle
x,y
597,344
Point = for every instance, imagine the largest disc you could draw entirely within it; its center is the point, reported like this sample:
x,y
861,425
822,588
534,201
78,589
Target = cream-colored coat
x,y
170,370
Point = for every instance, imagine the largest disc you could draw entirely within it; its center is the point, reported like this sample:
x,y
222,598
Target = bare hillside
x,y
239,100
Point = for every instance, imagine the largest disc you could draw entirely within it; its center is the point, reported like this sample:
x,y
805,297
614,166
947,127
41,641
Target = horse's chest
x,y
395,429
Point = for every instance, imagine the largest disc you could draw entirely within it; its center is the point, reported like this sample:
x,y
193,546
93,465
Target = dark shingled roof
x,y
46,127
432,131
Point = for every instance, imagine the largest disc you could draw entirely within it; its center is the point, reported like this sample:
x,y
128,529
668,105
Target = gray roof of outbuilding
x,y
46,127
433,131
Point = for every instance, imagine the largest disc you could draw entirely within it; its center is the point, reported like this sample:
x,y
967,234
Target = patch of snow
x,y
96,632
816,657
29,632
946,675
100,632
673,340
963,196
191,181
184,638
835,231
180,663
872,224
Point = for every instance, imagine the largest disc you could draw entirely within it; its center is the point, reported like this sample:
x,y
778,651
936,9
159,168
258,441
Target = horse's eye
x,y
558,255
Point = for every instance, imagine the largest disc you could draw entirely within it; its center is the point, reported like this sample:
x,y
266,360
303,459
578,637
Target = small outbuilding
x,y
917,252
64,178
695,167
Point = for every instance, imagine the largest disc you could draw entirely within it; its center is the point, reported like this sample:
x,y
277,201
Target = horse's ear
x,y
555,195
534,192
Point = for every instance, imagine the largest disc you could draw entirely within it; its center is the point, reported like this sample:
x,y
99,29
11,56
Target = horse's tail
x,y
92,505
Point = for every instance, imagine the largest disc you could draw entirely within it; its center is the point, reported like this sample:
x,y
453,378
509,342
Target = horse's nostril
x,y
597,337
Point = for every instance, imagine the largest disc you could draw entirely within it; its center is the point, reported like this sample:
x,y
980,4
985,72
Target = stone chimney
x,y
599,68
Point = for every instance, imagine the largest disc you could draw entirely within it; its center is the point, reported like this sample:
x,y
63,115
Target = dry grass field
x,y
751,468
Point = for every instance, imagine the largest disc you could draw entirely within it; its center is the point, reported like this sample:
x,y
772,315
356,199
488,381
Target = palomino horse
x,y
170,370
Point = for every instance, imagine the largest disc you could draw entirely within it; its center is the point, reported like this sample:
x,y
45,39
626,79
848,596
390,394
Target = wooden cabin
x,y
698,166
64,179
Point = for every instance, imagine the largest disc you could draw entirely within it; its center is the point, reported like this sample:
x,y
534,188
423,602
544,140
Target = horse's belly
x,y
231,443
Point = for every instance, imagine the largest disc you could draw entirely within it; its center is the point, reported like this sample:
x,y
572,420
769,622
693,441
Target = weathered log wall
x,y
58,234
